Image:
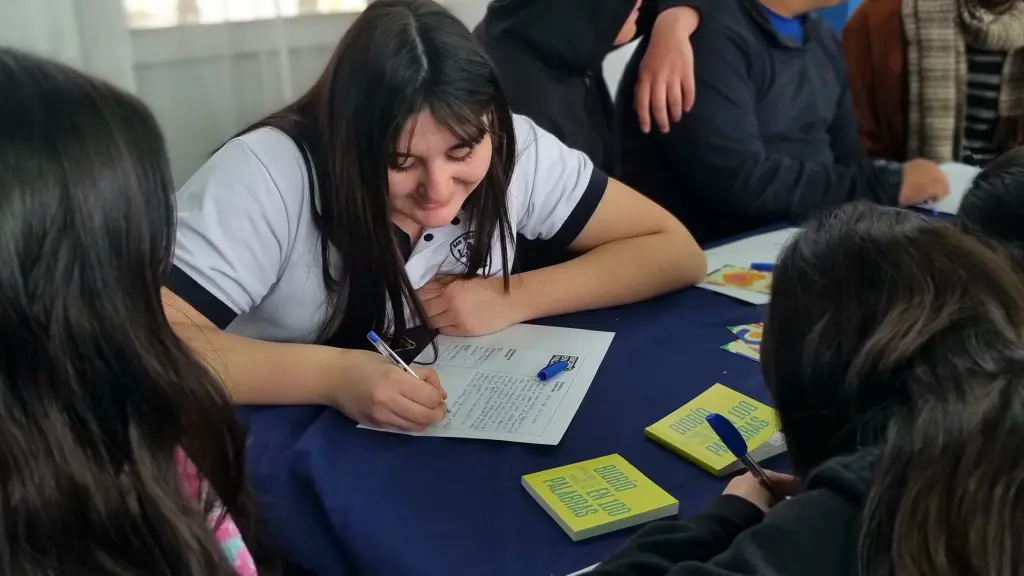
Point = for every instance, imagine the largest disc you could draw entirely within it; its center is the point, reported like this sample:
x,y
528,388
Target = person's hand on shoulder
x,y
923,181
748,488
665,85
467,307
385,396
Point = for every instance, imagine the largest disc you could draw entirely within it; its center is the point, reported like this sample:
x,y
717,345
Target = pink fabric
x,y
225,531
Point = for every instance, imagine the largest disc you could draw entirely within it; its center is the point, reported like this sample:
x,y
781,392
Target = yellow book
x,y
599,496
686,433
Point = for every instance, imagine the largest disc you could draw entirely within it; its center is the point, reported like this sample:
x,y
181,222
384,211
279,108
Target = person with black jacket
x,y
772,135
893,351
549,56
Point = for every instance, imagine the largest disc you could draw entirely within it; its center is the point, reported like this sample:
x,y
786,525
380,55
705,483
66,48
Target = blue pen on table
x,y
388,353
733,440
552,370
762,266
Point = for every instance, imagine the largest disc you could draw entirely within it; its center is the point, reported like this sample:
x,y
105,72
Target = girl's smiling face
x,y
432,173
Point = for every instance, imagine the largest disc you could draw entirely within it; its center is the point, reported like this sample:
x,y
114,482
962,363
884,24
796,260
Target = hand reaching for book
x,y
748,488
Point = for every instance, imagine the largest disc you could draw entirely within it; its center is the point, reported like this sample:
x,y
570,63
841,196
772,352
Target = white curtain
x,y
207,82
90,35
204,78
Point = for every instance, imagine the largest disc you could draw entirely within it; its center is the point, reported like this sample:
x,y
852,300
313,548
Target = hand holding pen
x,y
382,391
759,486
752,489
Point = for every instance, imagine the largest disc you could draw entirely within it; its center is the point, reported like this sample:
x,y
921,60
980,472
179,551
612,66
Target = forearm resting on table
x,y
254,371
619,272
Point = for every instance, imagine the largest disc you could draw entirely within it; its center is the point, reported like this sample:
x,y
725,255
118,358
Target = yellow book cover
x,y
599,496
688,434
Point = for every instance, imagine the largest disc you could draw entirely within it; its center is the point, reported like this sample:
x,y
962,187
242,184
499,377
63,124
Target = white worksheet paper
x,y
760,248
961,177
493,389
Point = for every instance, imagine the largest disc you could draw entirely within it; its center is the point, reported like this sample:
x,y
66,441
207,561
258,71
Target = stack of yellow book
x,y
606,494
686,432
599,496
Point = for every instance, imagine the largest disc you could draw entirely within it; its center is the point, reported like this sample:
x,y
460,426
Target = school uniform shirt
x,y
772,136
813,534
247,252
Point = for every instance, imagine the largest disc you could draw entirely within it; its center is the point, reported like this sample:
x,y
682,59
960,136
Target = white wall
x,y
615,63
204,83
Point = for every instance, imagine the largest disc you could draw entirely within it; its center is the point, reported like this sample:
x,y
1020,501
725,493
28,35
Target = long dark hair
x,y
399,58
993,209
98,397
894,332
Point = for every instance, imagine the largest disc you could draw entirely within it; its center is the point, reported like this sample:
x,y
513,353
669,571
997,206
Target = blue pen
x,y
390,354
762,266
552,370
733,440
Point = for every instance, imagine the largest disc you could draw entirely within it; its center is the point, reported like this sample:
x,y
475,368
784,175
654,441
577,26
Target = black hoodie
x,y
549,55
812,534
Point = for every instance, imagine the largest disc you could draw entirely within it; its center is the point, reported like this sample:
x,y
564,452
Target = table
x,y
339,500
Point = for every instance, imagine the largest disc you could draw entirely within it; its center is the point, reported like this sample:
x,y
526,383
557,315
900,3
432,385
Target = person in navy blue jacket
x,y
772,136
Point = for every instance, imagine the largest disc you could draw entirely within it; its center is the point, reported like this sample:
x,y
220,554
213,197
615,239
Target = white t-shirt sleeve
x,y
555,189
235,229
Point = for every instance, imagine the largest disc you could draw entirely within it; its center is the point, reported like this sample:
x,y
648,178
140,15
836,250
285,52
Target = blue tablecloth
x,y
339,500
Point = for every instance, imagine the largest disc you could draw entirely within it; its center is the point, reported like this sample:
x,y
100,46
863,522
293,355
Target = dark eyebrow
x,y
468,143
460,145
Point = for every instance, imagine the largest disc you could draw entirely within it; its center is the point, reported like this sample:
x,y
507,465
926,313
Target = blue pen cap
x,y
728,434
552,370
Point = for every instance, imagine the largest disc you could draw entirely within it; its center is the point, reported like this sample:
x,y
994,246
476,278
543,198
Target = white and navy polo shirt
x,y
247,252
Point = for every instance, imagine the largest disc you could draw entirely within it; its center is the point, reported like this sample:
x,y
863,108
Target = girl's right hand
x,y
748,488
382,395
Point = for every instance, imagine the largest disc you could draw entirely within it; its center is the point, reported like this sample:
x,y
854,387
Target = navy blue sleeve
x,y
662,545
814,533
650,10
718,145
200,298
844,134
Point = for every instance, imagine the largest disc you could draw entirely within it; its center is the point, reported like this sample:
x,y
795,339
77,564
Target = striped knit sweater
x,y
984,74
